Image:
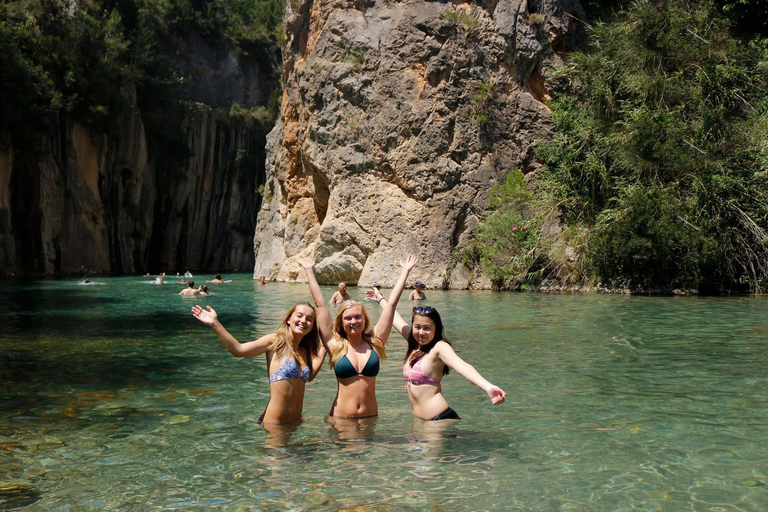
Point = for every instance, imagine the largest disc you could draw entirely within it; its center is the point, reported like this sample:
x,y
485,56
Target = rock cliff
x,y
398,117
108,202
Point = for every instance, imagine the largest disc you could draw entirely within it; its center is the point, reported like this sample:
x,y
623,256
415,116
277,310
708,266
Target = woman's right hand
x,y
305,264
373,295
207,317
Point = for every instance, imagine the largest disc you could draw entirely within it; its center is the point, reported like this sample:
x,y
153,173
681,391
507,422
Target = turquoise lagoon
x,y
112,397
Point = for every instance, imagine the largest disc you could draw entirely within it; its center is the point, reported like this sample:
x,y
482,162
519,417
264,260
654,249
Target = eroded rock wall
x,y
76,199
398,117
97,202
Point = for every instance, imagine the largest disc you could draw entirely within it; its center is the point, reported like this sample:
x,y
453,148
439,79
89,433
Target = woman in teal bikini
x,y
428,358
294,356
354,349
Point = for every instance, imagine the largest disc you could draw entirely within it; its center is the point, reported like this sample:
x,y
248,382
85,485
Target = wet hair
x,y
338,349
191,283
204,288
218,276
415,351
309,345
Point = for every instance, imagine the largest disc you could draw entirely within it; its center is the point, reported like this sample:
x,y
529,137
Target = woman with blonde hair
x,y
354,348
294,356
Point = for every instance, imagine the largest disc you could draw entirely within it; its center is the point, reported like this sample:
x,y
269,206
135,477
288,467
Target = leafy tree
x,y
658,168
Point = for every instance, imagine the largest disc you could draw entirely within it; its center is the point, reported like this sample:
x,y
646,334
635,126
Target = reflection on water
x,y
113,397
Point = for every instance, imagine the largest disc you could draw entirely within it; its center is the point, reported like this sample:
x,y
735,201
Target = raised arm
x,y
388,305
324,321
237,349
448,356
403,327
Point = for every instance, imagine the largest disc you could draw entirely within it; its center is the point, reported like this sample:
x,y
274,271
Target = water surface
x,y
112,397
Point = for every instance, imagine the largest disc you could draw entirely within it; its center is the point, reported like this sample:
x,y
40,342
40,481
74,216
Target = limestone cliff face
x,y
103,203
99,202
398,117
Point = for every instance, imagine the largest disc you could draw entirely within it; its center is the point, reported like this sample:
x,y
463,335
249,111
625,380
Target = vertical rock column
x,y
398,118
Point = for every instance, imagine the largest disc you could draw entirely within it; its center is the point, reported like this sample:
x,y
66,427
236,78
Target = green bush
x,y
659,168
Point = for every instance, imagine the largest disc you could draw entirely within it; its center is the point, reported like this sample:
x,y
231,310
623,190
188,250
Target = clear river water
x,y
113,397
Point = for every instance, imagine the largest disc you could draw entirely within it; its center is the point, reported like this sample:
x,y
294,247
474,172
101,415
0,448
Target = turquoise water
x,y
112,397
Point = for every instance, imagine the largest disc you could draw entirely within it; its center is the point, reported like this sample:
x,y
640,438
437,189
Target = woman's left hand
x,y
496,394
409,262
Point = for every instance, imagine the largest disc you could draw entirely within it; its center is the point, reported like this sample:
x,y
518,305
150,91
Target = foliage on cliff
x,y
86,59
659,168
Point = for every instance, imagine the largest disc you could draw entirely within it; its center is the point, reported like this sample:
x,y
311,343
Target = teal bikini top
x,y
345,369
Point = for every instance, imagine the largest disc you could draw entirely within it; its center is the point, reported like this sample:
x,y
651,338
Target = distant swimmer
x,y
189,290
262,281
216,280
418,293
340,295
203,290
159,280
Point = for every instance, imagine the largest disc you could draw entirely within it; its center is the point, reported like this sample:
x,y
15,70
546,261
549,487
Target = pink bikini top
x,y
416,376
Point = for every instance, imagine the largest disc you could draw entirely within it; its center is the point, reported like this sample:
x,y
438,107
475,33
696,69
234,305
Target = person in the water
x,y
294,356
189,290
340,295
428,358
354,349
418,293
203,290
217,279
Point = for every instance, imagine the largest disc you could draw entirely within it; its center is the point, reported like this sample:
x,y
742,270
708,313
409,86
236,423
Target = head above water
x,y
348,309
291,327
342,287
218,276
430,313
191,283
429,318
418,284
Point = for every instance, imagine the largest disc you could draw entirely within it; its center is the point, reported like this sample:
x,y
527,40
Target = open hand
x,y
306,264
373,294
496,394
409,262
207,317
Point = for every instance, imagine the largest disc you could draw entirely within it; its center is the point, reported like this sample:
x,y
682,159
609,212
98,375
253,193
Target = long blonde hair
x,y
338,348
309,345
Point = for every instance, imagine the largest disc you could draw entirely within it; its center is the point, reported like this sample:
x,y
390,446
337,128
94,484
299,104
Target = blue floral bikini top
x,y
290,370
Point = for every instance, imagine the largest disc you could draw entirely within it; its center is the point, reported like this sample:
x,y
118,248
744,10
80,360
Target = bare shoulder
x,y
444,346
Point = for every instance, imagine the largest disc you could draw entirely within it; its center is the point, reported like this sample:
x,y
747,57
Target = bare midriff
x,y
355,398
427,401
286,401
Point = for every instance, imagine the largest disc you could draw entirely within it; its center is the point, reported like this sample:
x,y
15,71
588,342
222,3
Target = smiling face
x,y
353,321
302,319
423,329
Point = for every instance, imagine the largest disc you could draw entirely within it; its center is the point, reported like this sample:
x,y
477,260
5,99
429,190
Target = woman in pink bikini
x,y
428,358
294,356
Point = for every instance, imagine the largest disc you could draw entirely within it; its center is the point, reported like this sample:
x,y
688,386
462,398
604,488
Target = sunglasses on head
x,y
423,310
